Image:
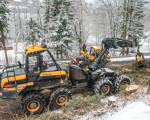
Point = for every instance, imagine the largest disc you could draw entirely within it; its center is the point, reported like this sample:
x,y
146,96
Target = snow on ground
x,y
125,59
133,111
138,109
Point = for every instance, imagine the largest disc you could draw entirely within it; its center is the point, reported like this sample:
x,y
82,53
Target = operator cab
x,y
40,62
94,52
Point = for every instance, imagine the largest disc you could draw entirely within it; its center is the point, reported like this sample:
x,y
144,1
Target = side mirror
x,y
19,63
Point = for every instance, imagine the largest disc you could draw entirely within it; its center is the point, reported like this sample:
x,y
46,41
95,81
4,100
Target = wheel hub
x,y
33,105
105,89
61,99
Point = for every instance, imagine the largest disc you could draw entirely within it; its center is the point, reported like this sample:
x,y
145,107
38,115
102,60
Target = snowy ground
x,y
126,59
132,110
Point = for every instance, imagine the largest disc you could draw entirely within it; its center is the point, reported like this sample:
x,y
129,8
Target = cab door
x,y
51,73
33,67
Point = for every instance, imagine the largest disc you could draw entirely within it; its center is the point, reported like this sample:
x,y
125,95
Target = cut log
x,y
132,88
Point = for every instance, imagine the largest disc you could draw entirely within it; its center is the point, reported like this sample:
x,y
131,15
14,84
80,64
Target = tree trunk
x,y
3,41
130,20
123,49
125,20
127,52
57,53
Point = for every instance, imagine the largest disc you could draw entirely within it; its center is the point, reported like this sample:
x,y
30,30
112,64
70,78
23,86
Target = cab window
x,y
33,64
47,62
92,52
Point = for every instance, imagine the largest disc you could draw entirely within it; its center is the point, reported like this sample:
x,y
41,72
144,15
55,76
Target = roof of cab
x,y
35,48
96,47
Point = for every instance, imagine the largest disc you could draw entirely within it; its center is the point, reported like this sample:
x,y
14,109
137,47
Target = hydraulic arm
x,y
108,43
140,57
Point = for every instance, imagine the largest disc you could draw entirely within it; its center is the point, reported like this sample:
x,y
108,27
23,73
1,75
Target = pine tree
x,y
61,27
47,21
34,34
136,27
4,11
47,16
132,27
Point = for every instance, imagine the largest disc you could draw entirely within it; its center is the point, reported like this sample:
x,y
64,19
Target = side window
x,y
33,64
92,52
47,62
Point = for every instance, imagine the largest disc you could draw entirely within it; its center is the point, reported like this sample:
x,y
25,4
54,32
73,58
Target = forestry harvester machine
x,y
86,59
44,82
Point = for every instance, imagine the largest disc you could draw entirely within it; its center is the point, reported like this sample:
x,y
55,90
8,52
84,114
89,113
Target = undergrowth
x,y
83,103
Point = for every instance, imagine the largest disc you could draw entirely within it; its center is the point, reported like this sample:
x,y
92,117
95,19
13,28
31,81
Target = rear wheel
x,y
103,86
120,83
59,98
32,104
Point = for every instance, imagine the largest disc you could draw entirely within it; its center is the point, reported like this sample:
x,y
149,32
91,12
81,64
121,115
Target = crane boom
x,y
107,44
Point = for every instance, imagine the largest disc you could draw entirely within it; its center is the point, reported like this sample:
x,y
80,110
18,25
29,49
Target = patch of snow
x,y
125,59
17,0
112,98
133,111
58,111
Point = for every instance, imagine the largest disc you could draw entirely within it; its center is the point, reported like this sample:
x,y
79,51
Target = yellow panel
x,y
107,57
35,50
5,80
84,53
91,57
140,59
53,73
33,47
19,86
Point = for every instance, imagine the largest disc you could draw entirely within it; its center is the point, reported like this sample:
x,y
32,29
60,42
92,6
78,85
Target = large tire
x,y
59,97
121,80
103,86
33,103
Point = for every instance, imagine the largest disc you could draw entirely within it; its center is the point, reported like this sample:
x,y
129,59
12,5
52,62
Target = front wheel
x,y
120,82
59,98
33,103
103,86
